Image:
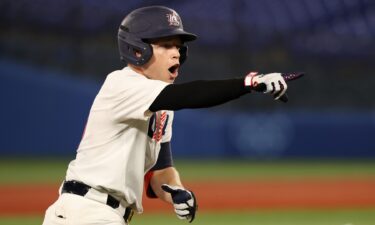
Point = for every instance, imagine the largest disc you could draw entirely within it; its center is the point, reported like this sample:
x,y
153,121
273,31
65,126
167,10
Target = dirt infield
x,y
216,196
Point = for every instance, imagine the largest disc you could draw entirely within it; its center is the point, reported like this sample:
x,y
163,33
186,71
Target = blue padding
x,y
42,112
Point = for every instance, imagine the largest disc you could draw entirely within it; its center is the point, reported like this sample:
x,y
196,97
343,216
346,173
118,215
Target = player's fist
x,y
272,83
184,202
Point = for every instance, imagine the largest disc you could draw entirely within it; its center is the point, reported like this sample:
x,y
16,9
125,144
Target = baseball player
x,y
126,144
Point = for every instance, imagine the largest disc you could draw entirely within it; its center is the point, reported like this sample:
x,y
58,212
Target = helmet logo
x,y
173,19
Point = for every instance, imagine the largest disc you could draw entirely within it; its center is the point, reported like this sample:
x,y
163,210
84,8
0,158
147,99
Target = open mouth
x,y
174,69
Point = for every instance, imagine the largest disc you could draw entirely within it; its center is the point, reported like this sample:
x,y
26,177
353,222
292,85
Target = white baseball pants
x,y
71,209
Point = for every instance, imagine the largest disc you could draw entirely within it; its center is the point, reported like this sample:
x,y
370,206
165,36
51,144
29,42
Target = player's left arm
x,y
163,181
163,172
160,177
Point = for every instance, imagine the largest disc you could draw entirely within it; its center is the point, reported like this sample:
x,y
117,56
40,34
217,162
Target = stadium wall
x,y
44,113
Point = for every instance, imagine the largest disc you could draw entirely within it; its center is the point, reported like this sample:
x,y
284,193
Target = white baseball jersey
x,y
122,138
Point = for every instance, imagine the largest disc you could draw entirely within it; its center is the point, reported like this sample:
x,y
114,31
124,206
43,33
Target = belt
x,y
79,188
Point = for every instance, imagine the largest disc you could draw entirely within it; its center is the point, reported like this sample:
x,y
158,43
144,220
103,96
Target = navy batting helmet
x,y
149,23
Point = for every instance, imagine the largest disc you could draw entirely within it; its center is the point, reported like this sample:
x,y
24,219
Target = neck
x,y
137,69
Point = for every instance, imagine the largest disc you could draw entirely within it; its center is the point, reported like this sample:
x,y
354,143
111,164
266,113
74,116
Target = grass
x,y
202,170
299,217
53,170
47,170
32,170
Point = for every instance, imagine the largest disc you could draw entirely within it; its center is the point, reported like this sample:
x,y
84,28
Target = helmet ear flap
x,y
129,46
183,54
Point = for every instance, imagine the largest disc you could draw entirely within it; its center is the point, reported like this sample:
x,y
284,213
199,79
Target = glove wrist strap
x,y
248,81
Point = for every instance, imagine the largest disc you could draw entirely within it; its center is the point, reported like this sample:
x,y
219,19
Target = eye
x,y
167,45
170,46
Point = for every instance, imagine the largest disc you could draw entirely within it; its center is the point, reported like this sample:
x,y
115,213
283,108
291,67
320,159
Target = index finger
x,y
292,76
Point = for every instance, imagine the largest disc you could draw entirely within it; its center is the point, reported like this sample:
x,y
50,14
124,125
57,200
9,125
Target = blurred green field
x,y
300,217
51,170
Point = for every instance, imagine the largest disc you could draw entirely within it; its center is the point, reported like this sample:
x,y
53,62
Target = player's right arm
x,y
203,94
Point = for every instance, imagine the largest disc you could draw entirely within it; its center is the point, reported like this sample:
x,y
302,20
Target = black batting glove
x,y
184,202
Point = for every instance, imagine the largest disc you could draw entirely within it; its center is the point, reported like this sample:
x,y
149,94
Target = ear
x,y
137,53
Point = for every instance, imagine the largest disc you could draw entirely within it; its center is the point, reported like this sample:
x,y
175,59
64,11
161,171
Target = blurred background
x,y
54,56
